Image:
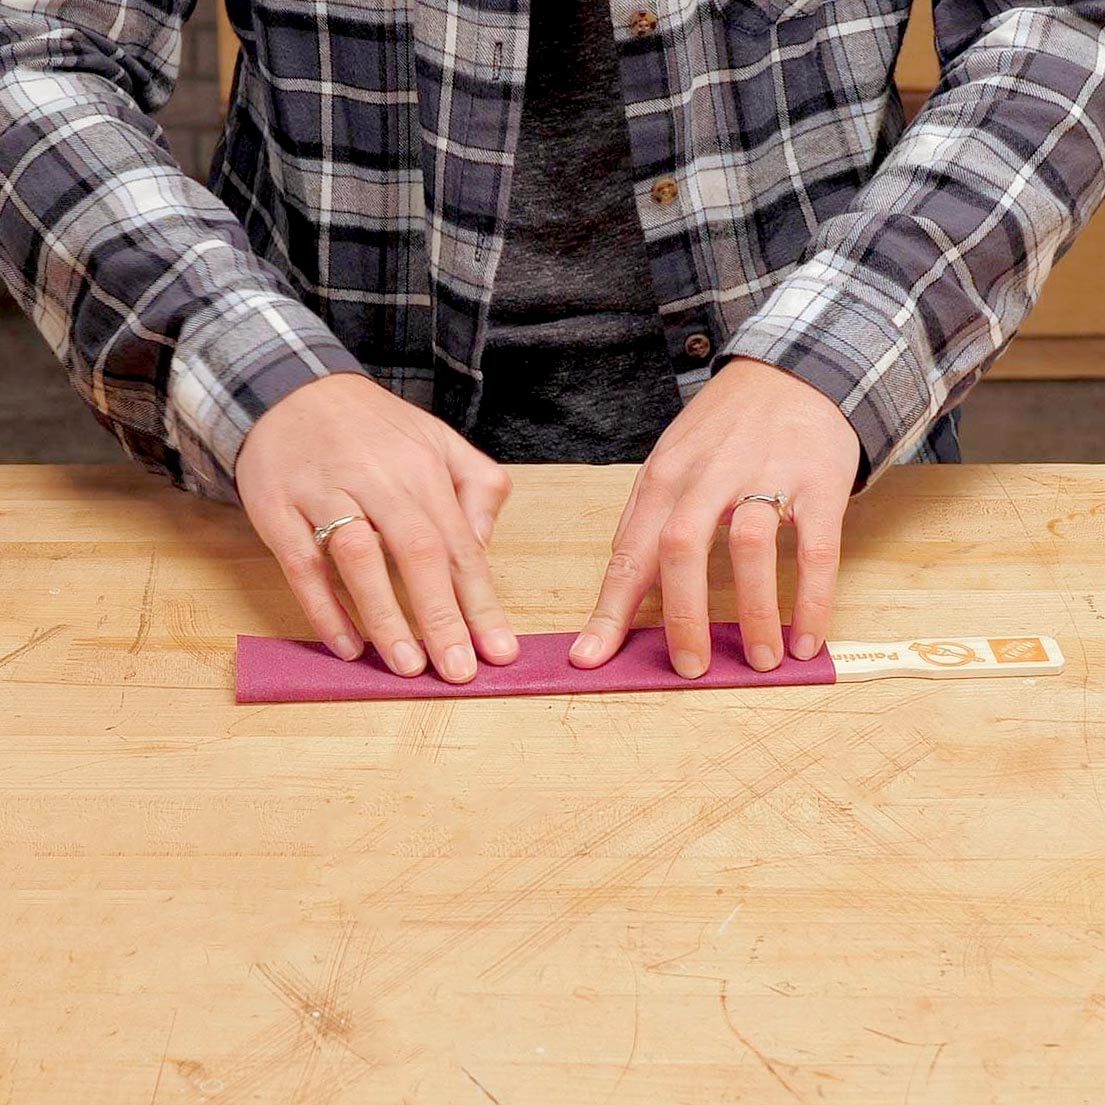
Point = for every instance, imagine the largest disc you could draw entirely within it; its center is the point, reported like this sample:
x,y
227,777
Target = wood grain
x,y
883,892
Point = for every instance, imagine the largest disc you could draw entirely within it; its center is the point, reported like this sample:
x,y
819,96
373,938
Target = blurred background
x,y
1043,401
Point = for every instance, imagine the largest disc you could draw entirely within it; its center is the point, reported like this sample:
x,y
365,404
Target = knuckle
x,y
623,567
467,558
821,552
303,567
678,539
678,618
482,606
759,612
662,472
320,613
357,550
818,603
378,615
751,535
440,618
423,546
499,481
602,618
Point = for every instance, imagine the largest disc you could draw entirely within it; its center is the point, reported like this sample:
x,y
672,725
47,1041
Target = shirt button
x,y
664,191
642,23
698,346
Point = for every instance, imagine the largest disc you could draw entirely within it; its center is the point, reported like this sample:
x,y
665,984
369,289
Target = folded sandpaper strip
x,y
274,670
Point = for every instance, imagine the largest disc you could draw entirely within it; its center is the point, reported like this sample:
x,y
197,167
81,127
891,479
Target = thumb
x,y
482,487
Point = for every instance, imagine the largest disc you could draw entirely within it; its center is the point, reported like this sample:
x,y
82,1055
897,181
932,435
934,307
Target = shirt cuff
x,y
852,350
231,365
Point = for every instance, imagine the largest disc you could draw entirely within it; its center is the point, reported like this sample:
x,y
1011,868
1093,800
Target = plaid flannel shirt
x,y
357,201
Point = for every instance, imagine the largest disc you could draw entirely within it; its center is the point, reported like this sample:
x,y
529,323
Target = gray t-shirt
x,y
576,367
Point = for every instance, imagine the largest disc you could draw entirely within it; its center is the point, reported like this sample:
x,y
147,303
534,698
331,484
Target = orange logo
x,y
1018,650
945,654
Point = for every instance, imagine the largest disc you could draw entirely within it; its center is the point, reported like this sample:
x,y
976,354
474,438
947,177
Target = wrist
x,y
814,410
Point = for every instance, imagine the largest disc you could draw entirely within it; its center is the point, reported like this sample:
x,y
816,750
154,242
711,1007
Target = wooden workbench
x,y
887,892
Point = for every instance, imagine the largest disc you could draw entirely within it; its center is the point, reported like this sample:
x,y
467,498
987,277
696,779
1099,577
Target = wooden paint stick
x,y
946,658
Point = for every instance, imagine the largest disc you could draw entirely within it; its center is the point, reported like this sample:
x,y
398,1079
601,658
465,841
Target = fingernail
x,y
688,664
458,664
485,524
587,647
805,646
500,642
406,659
762,657
346,648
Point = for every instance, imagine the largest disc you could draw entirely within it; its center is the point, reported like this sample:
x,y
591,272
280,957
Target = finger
x,y
818,556
481,487
684,550
752,534
629,508
422,556
305,569
472,583
630,572
359,557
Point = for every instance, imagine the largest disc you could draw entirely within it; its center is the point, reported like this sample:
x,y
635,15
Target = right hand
x,y
344,445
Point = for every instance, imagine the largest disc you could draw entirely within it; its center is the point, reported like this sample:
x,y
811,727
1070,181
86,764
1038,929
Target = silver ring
x,y
780,501
324,533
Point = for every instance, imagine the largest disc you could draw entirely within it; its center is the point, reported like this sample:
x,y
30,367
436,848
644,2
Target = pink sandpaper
x,y
274,670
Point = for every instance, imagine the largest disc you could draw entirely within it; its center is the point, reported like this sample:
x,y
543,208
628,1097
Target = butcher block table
x,y
886,892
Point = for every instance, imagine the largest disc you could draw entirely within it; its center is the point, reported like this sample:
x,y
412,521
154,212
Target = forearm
x,y
903,300
142,282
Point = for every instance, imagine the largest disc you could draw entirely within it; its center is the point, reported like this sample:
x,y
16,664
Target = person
x,y
440,235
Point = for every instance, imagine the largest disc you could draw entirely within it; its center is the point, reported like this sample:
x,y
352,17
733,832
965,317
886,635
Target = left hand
x,y
752,429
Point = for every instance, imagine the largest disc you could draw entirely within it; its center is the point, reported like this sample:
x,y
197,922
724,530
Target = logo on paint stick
x,y
945,654
1018,650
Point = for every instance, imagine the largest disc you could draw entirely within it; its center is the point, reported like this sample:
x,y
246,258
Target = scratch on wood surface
x,y
935,1059
319,1006
1064,598
11,1071
636,1031
725,924
664,880
307,1057
424,729
145,613
480,1086
598,830
164,1054
38,637
654,967
706,820
897,764
198,641
767,1063
896,1039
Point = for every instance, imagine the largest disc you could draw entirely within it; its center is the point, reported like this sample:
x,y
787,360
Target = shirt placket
x,y
471,79
659,166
